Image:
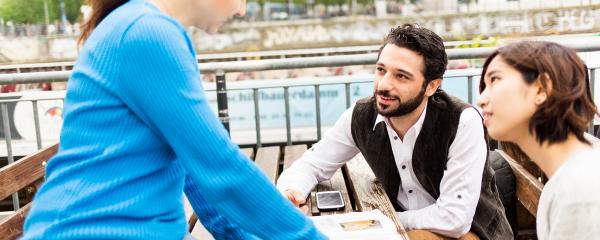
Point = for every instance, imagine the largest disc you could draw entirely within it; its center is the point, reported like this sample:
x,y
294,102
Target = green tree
x,y
20,11
72,9
32,11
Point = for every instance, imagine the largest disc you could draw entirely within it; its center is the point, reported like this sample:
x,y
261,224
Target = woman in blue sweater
x,y
138,132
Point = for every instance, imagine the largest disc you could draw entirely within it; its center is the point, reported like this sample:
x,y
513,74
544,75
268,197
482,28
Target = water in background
x,y
303,117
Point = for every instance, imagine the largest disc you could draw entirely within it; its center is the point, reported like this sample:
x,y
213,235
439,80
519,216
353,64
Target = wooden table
x,y
356,181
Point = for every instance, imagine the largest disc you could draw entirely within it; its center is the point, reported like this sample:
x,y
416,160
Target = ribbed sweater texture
x,y
138,132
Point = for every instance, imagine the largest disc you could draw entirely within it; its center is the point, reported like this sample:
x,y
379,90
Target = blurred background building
x,y
46,30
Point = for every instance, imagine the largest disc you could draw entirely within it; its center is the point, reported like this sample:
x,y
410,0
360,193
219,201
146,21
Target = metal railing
x,y
235,56
6,121
221,90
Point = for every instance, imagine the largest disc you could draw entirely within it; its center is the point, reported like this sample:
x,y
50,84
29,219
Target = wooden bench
x,y
22,173
361,192
530,182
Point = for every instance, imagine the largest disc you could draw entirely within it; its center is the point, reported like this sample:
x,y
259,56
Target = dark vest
x,y
429,159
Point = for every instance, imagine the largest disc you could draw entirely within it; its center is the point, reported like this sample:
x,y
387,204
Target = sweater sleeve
x,y
217,224
159,81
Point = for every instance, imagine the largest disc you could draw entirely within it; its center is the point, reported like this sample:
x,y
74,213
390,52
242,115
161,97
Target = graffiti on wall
x,y
372,31
344,32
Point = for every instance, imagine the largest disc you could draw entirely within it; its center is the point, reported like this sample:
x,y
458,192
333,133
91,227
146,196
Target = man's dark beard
x,y
404,107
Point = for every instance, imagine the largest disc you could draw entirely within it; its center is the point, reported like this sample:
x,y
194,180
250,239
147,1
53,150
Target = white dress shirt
x,y
451,214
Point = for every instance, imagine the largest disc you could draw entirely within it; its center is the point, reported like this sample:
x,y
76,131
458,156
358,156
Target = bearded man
x,y
427,148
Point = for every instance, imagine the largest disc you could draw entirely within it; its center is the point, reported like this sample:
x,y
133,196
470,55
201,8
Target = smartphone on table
x,y
330,201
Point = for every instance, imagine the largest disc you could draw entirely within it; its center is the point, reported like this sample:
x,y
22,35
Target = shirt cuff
x,y
282,189
405,220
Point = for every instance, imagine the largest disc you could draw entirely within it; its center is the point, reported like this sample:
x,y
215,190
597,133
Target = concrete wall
x,y
343,32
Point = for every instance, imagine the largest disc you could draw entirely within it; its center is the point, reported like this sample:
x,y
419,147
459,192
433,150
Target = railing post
x,y
593,82
288,124
348,100
593,92
257,117
318,110
36,121
470,89
222,107
9,153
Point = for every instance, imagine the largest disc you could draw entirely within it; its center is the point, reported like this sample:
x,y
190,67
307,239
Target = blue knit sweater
x,y
137,131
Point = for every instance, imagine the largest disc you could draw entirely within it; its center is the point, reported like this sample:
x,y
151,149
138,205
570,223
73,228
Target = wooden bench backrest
x,y
16,176
528,175
529,188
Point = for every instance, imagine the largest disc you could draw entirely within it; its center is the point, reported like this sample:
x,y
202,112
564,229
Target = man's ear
x,y
543,84
433,86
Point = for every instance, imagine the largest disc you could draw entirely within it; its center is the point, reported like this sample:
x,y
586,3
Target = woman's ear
x,y
543,83
433,86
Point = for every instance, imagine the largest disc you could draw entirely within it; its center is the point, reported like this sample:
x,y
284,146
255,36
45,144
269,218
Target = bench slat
x,y
267,159
529,188
292,153
249,152
368,192
312,204
336,183
12,227
23,172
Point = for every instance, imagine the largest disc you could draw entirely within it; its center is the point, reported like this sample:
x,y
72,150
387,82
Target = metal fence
x,y
6,122
234,56
221,68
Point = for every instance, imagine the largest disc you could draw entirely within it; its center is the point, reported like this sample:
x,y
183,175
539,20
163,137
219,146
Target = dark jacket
x,y
430,156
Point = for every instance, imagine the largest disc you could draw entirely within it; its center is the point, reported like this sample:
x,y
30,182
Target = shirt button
x,y
395,137
403,166
459,196
409,191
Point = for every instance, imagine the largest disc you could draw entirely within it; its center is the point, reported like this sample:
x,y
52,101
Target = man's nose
x,y
384,82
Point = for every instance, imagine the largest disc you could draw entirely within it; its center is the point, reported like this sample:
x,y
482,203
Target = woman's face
x,y
507,101
210,15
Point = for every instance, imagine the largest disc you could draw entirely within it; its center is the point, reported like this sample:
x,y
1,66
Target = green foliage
x,y
22,11
72,9
477,42
32,11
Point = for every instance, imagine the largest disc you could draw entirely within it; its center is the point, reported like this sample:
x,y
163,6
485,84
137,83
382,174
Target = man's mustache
x,y
385,93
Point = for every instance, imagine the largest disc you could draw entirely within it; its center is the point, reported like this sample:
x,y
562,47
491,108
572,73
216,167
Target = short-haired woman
x,y
536,95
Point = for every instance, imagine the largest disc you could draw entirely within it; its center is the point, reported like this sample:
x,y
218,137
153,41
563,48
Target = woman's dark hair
x,y
100,9
569,107
424,42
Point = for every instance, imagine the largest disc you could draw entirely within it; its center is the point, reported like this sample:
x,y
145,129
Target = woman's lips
x,y
486,117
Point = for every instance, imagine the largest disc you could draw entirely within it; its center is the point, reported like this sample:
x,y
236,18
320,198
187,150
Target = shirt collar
x,y
417,126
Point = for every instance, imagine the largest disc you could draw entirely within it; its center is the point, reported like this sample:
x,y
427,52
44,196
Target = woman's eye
x,y
380,69
493,79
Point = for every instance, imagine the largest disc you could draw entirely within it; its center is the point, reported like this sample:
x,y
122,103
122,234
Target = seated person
x,y
426,147
536,95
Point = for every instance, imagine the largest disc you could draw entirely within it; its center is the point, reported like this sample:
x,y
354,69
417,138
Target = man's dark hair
x,y
424,42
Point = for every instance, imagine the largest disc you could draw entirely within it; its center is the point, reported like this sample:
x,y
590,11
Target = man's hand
x,y
297,199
